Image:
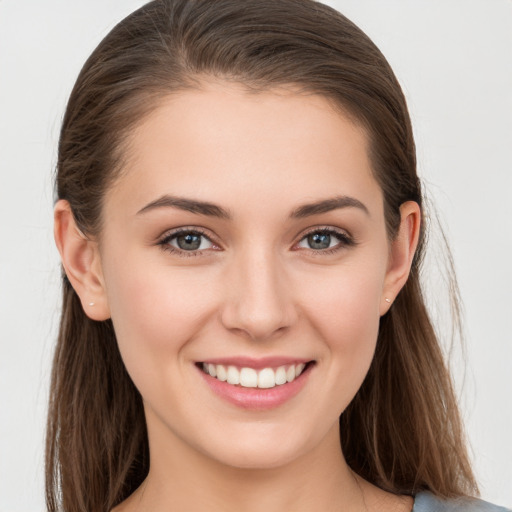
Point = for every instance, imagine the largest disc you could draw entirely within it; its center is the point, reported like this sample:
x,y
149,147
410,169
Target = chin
x,y
256,458
258,448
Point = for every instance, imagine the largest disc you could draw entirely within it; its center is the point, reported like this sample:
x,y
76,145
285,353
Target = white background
x,y
454,60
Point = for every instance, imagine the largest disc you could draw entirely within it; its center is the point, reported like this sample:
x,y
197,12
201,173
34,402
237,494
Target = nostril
x,y
258,325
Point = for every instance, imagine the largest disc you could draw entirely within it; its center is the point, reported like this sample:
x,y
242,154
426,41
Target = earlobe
x,y
81,261
402,251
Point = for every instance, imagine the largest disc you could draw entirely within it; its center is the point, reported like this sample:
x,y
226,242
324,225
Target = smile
x,y
256,384
248,377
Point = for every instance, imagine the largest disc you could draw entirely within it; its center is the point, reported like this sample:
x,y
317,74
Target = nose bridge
x,y
259,301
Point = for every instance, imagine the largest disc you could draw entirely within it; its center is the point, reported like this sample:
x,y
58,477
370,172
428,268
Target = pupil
x,y
319,240
189,242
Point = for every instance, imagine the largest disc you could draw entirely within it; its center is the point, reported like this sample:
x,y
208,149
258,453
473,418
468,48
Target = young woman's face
x,y
246,235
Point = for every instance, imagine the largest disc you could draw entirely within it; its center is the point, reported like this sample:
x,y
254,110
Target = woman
x,y
240,225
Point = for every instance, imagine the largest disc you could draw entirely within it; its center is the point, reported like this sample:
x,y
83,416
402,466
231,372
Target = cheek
x,y
350,325
346,300
154,315
343,309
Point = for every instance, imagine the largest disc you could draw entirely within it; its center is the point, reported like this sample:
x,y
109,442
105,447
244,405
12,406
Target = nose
x,y
259,300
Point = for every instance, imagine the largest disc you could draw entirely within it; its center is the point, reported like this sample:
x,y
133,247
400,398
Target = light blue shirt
x,y
427,502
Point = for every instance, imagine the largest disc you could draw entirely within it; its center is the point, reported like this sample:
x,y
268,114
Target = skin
x,y
255,288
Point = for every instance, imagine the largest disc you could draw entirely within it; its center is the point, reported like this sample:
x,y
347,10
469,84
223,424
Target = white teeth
x,y
280,375
251,378
222,374
298,369
248,378
266,378
233,375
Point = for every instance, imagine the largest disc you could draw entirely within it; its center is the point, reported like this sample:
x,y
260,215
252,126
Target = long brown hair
x,y
402,431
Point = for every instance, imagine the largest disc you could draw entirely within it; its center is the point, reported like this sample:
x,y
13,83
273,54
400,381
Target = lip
x,y
257,399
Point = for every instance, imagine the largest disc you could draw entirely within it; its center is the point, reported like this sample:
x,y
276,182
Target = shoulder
x,y
427,502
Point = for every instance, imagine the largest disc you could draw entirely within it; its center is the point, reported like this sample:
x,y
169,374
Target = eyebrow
x,y
213,210
189,205
328,205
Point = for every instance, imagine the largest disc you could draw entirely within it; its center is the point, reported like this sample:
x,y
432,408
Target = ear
x,y
401,254
81,261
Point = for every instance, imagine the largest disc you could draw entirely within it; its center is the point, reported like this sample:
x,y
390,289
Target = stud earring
x,y
91,303
388,300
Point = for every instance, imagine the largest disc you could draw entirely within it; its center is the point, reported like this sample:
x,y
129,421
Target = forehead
x,y
221,143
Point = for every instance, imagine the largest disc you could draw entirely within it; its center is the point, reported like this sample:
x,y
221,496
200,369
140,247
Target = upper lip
x,y
256,363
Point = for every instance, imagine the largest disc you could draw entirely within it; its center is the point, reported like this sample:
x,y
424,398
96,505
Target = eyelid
x,y
164,239
346,239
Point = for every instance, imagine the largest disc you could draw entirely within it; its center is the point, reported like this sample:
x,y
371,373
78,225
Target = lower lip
x,y
257,398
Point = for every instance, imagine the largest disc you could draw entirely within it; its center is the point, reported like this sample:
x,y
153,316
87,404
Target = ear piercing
x,y
91,304
387,300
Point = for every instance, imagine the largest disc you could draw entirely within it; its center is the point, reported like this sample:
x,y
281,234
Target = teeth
x,y
250,378
298,369
233,375
266,378
222,374
281,375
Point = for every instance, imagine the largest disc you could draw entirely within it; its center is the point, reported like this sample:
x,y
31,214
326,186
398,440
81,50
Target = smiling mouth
x,y
264,378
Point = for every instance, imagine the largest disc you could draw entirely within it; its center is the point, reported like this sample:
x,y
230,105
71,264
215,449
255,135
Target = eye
x,y
324,239
186,241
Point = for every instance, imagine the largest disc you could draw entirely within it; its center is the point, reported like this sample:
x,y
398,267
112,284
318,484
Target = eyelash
x,y
164,243
345,240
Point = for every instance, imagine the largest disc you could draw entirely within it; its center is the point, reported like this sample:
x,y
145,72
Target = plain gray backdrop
x,y
454,61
